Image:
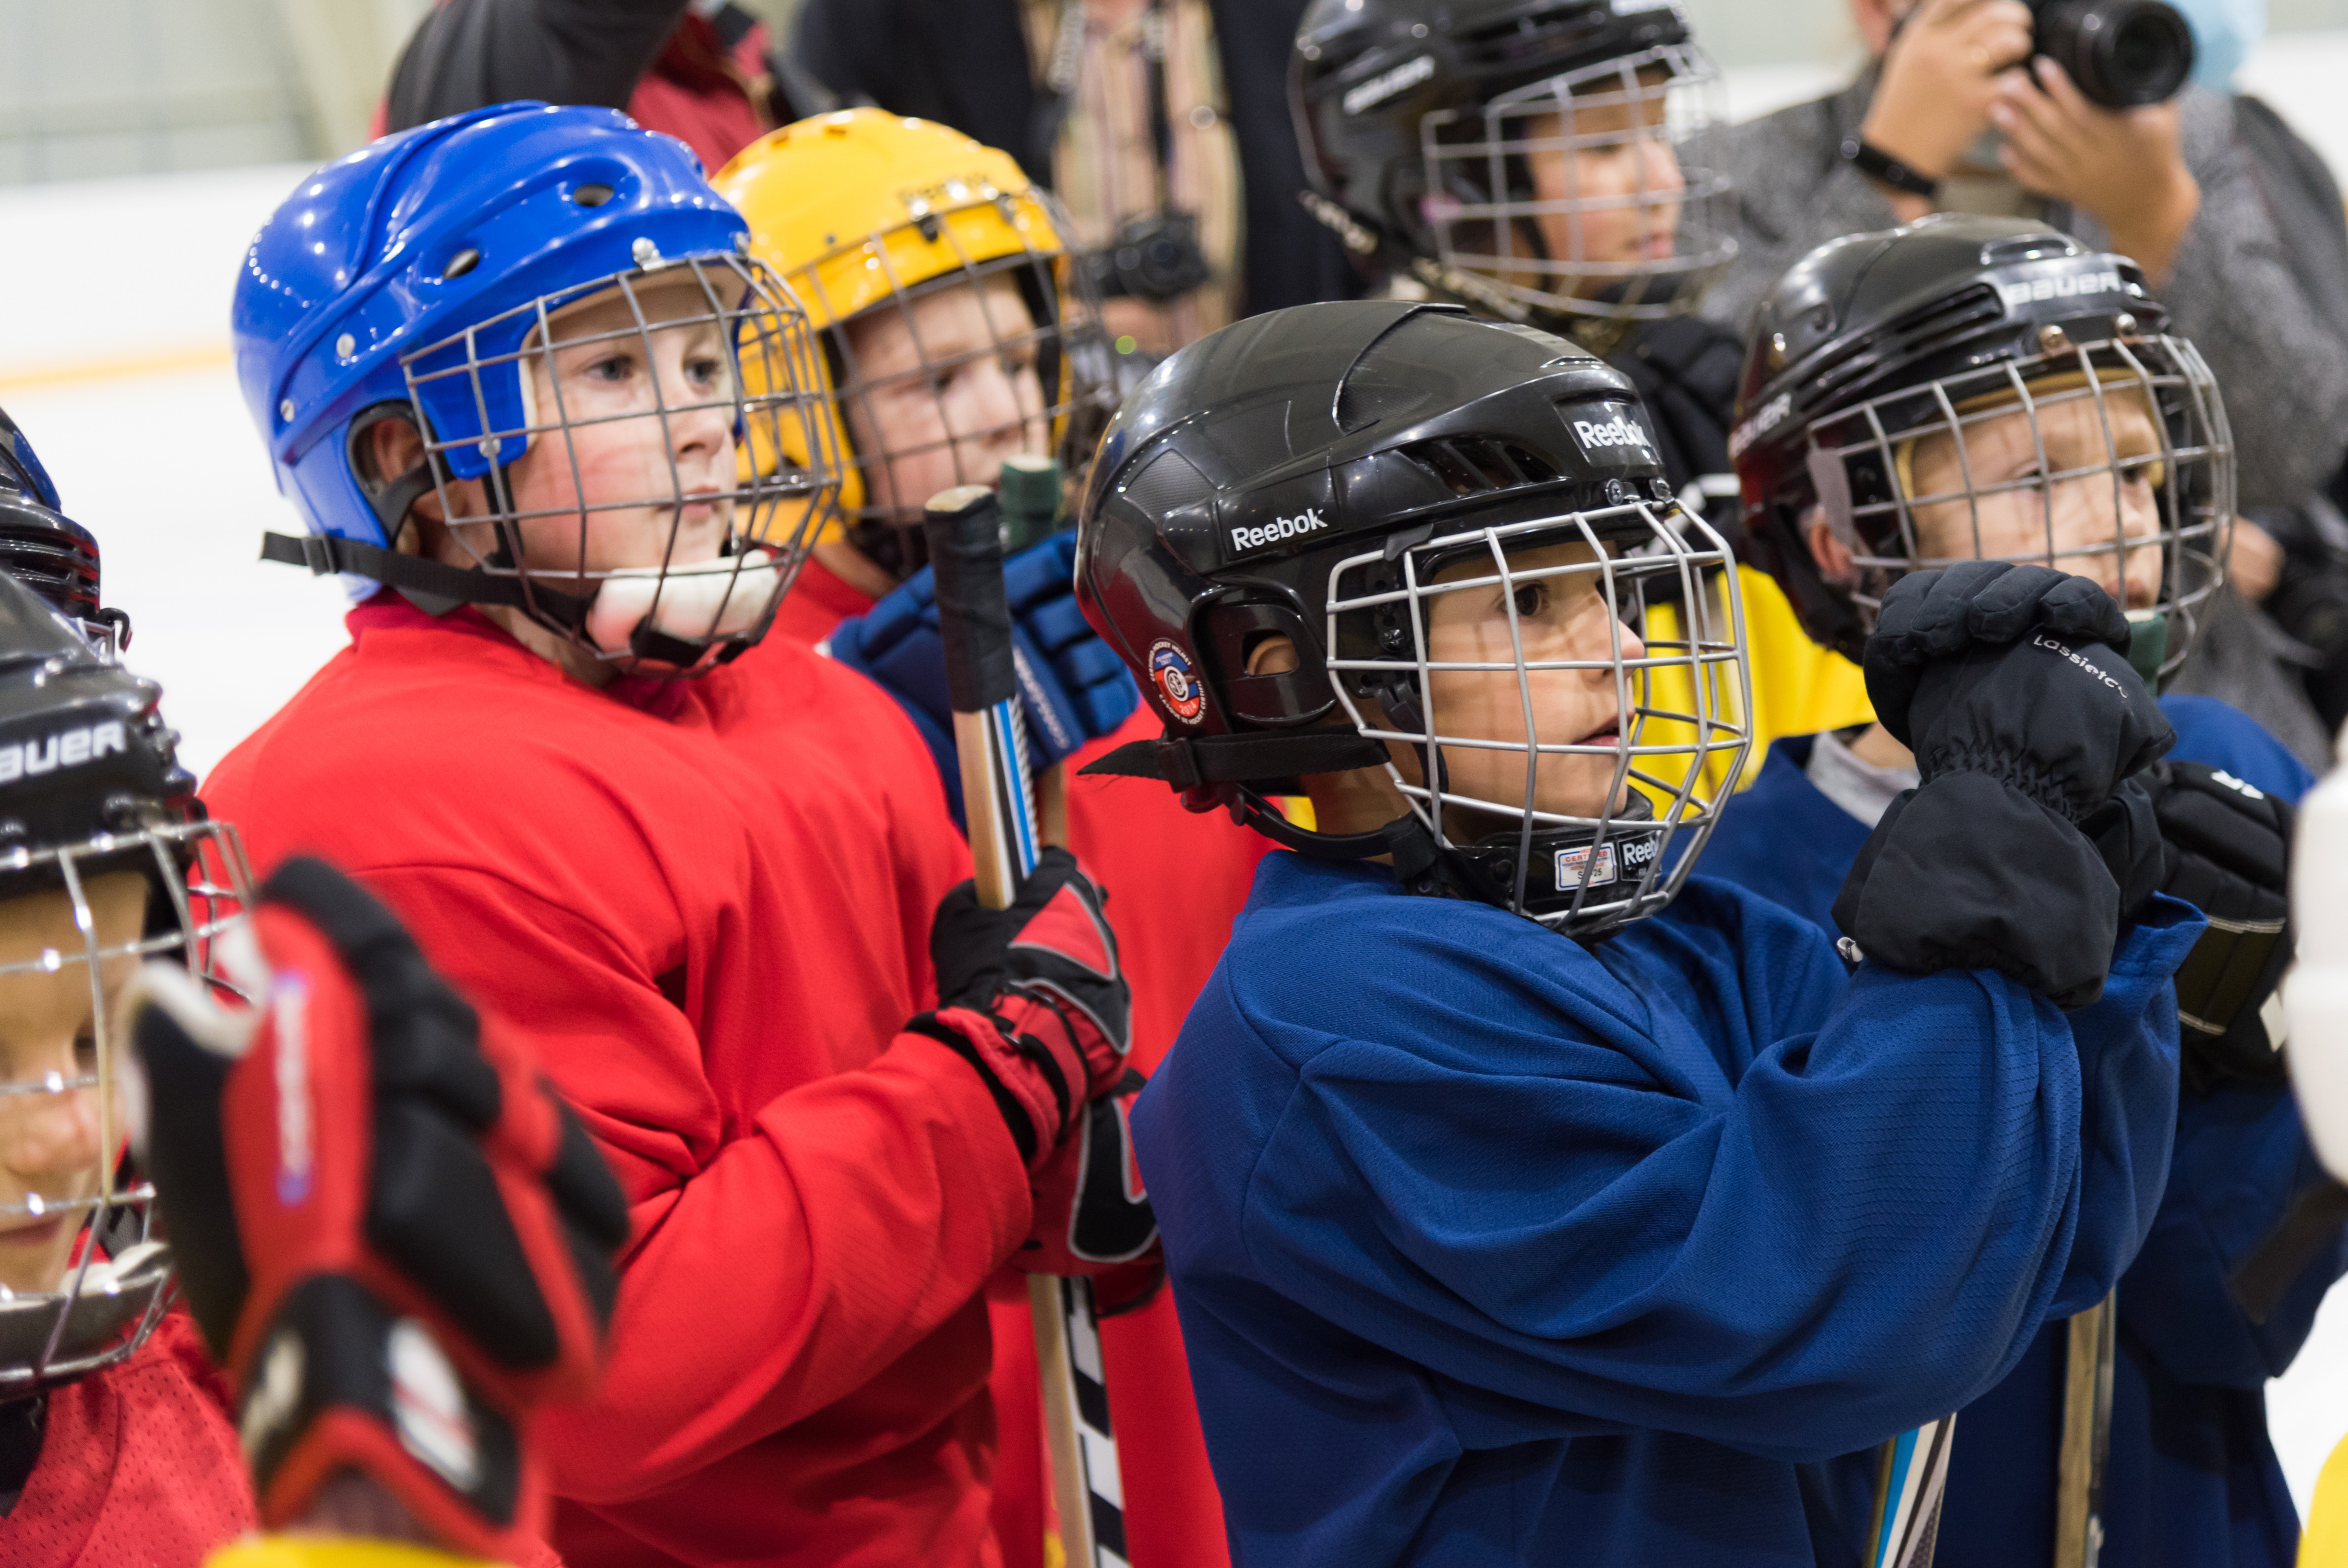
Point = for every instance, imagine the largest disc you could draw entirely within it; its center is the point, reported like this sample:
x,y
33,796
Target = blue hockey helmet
x,y
426,276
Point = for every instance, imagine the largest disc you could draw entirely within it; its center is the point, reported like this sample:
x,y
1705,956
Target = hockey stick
x,y
965,542
1910,1484
2086,1438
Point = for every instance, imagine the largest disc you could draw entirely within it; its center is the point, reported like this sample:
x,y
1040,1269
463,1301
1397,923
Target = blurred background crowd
x,y
142,142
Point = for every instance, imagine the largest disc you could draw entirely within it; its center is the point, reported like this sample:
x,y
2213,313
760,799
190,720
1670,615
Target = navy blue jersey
x,y
2192,1478
1491,1247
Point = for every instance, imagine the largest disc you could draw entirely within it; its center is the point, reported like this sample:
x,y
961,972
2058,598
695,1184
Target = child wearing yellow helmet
x,y
956,333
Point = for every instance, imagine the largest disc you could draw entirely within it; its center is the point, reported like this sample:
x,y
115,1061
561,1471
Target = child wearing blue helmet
x,y
519,375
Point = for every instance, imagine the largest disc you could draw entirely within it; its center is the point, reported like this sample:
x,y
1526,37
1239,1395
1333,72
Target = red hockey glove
x,y
393,1235
1033,999
1092,1211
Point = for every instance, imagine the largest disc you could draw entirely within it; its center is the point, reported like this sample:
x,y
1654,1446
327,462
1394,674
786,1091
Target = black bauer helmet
x,y
1971,388
1329,473
89,788
1443,137
45,550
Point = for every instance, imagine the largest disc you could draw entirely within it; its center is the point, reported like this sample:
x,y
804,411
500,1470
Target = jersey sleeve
x,y
783,1253
1862,1230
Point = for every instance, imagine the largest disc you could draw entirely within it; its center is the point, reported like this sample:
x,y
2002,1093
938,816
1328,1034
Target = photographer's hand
x,y
2126,167
1942,72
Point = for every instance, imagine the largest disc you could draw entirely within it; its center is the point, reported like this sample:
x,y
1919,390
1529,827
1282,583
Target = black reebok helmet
x,y
1978,387
1427,127
1309,473
45,550
89,786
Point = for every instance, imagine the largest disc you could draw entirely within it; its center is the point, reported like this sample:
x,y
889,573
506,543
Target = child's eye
x,y
612,369
86,1052
708,371
1531,599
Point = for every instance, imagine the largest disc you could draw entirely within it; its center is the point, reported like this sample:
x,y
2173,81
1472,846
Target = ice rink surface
x,y
114,360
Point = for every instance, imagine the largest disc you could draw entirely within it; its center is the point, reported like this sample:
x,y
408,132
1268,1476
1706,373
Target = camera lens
x,y
2122,53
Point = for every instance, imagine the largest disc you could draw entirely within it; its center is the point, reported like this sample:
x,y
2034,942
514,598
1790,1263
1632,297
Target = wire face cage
x,y
646,452
2111,460
115,1275
1596,192
960,337
1567,758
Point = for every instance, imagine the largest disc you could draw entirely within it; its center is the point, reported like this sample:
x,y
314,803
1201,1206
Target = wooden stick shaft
x,y
2086,1434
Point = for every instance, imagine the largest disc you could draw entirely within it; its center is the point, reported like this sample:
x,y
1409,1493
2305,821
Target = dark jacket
x,y
706,79
964,62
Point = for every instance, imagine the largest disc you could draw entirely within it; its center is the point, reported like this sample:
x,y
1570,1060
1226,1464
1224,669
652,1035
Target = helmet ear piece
x,y
1830,483
1278,699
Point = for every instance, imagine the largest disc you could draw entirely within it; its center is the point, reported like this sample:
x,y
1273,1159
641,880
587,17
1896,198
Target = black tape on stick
x,y
964,527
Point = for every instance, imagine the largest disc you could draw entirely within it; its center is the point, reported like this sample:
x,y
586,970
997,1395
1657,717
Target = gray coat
x,y
2279,355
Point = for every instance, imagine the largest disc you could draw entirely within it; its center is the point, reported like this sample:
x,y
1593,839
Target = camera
x,y
1153,256
2122,53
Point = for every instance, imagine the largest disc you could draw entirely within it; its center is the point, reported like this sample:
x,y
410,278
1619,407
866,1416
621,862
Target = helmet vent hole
x,y
592,195
463,261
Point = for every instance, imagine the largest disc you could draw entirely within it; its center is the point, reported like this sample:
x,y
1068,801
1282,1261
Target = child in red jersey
x,y
968,343
511,390
116,1449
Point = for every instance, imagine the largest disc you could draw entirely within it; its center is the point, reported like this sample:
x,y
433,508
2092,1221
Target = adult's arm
x,y
784,1253
468,54
1792,192
2282,362
963,63
1866,1232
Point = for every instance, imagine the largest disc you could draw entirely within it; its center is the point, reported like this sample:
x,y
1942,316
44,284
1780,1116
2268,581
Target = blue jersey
x,y
1491,1247
2192,1479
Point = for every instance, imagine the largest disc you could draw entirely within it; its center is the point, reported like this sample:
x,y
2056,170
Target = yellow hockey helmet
x,y
867,214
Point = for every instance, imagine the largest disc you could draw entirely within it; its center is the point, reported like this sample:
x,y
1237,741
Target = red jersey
x,y
139,1468
712,925
1175,882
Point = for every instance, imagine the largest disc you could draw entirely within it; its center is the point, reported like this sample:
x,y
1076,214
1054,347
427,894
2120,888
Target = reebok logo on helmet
x,y
1278,528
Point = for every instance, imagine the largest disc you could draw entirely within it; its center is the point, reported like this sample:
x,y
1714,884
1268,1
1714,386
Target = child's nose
x,y
54,1136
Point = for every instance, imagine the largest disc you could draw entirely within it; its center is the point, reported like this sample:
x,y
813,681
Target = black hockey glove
x,y
1034,998
2019,853
396,1239
2228,854
2018,672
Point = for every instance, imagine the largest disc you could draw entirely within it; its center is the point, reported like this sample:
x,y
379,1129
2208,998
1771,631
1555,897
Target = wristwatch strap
x,y
1881,166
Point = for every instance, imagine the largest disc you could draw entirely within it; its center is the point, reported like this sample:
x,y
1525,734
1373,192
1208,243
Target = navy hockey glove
x,y
1034,997
2228,854
1073,687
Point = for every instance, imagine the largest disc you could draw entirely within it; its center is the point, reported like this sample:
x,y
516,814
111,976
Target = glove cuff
x,y
1029,1086
341,1382
1968,873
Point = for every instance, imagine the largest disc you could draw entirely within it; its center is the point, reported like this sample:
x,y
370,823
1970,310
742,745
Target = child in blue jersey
x,y
2054,425
1525,1200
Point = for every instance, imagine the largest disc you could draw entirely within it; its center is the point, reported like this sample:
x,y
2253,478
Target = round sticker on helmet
x,y
1169,671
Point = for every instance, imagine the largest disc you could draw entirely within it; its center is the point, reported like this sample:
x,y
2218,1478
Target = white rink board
x,y
114,360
